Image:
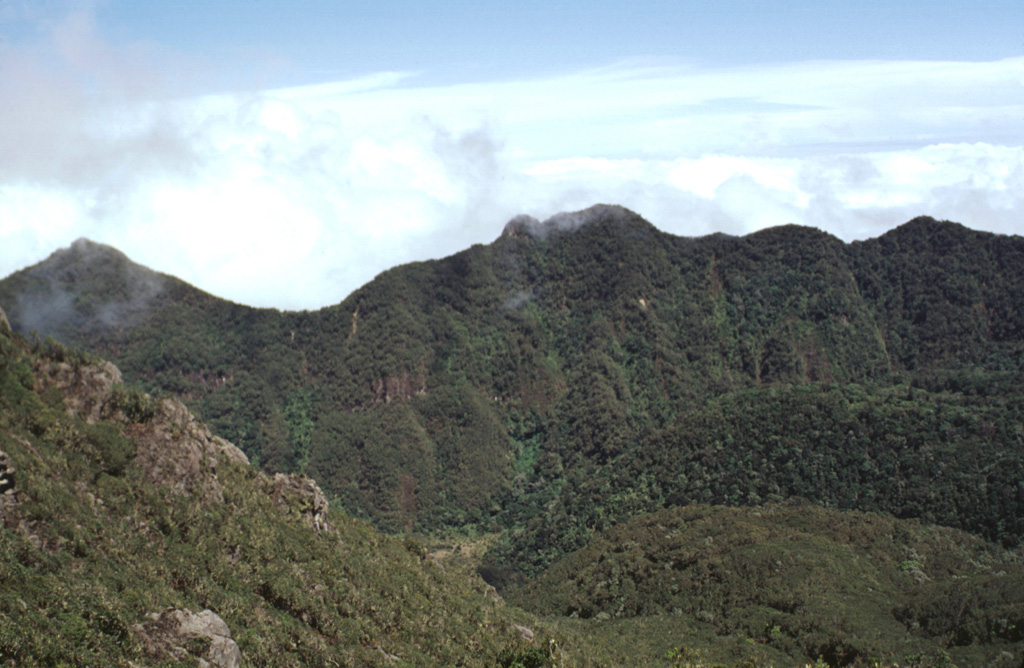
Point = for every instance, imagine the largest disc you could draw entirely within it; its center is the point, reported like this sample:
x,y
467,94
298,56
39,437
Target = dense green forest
x,y
119,513
565,378
774,583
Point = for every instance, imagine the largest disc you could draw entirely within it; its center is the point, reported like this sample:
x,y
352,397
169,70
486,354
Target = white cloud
x,y
294,198
704,176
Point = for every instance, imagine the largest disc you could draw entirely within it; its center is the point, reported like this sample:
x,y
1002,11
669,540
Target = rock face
x,y
301,494
177,633
5,324
8,494
179,452
86,387
175,449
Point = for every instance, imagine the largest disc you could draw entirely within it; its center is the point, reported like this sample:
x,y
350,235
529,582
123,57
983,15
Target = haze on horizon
x,y
283,154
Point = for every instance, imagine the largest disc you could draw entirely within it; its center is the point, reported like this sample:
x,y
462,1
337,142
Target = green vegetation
x,y
790,583
478,390
947,457
550,387
91,546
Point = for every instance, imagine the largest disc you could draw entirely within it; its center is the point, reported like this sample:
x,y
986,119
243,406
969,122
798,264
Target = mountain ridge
x,y
84,251
480,389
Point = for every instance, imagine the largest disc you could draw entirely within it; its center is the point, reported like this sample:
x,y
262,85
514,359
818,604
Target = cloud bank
x,y
293,198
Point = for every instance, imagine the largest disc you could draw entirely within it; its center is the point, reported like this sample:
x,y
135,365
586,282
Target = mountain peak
x,y
85,243
926,226
79,284
568,221
84,249
925,233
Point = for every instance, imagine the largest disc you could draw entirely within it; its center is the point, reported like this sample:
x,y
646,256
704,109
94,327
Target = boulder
x,y
177,633
300,494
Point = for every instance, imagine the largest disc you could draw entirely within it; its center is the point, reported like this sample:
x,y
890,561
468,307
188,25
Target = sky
x,y
283,154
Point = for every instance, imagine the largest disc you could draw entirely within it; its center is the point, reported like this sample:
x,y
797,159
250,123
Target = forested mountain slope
x,y
576,372
132,536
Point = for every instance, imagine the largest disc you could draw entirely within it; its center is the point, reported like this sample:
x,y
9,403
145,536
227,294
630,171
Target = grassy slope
x,y
92,547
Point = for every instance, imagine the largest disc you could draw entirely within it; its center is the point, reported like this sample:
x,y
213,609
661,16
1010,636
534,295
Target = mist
x,y
56,292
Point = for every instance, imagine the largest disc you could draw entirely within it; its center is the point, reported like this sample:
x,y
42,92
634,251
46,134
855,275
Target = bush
x,y
112,450
518,657
136,405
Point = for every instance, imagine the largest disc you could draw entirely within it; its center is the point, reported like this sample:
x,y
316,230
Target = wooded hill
x,y
788,584
581,371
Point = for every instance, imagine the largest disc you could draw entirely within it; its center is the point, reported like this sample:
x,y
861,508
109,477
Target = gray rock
x,y
301,494
6,472
178,452
85,388
170,634
8,492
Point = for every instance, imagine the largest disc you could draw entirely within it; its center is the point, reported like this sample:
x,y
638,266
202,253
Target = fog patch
x,y
45,313
518,300
565,222
86,286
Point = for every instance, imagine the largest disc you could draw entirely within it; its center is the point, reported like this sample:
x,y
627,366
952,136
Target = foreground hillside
x,y
581,371
122,519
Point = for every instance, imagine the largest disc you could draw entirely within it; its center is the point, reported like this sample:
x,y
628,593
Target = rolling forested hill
x,y
575,373
785,584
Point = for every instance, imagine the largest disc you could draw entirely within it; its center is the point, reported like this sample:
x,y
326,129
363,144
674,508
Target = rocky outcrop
x,y
177,633
174,449
300,494
8,493
525,633
5,324
177,451
86,388
402,387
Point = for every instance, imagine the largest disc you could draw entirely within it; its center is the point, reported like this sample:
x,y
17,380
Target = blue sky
x,y
451,41
282,154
